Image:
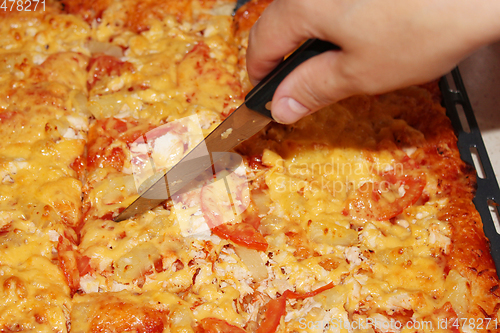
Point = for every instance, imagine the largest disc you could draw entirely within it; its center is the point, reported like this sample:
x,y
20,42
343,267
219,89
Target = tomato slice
x,y
386,199
218,213
276,308
242,234
104,65
83,265
214,325
68,263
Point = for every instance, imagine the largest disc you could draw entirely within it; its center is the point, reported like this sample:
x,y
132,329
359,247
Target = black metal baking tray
x,y
473,151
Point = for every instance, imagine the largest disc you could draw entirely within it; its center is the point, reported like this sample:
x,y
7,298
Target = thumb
x,y
314,84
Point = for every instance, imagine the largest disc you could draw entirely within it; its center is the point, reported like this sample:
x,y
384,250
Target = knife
x,y
248,119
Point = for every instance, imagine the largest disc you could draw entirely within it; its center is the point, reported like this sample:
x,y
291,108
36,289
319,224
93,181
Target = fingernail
x,y
287,110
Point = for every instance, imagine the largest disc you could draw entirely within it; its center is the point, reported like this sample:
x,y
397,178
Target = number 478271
x,y
22,5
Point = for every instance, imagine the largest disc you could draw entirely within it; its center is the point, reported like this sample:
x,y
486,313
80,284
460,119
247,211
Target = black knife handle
x,y
263,92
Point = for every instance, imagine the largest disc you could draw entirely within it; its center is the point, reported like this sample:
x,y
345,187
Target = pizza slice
x,y
43,128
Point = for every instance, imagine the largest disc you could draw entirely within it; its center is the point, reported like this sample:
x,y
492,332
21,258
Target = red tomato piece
x,y
214,325
83,264
242,234
78,165
105,65
255,162
387,199
68,263
274,310
119,125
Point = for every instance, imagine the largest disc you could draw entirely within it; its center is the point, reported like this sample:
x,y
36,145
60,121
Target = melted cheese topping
x,y
35,297
42,136
179,70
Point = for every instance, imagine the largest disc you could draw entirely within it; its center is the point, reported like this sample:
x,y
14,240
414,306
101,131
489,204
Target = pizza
x,y
358,218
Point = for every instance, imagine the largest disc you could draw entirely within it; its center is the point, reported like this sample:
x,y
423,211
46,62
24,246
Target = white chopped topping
x,y
401,191
362,279
127,171
210,30
370,234
399,301
240,171
281,285
30,31
207,118
168,149
402,223
17,164
19,75
227,258
468,327
125,112
53,235
104,263
410,150
89,284
423,214
437,237
139,148
71,134
307,306
5,217
78,123
38,58
7,179
119,286
352,256
116,84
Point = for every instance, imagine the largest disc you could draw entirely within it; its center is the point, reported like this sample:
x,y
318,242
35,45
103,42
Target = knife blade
x,y
247,120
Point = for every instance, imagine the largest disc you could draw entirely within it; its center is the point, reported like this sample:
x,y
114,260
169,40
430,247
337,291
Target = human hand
x,y
385,45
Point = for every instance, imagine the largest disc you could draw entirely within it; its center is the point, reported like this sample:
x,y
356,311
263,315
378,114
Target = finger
x,y
314,84
283,26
